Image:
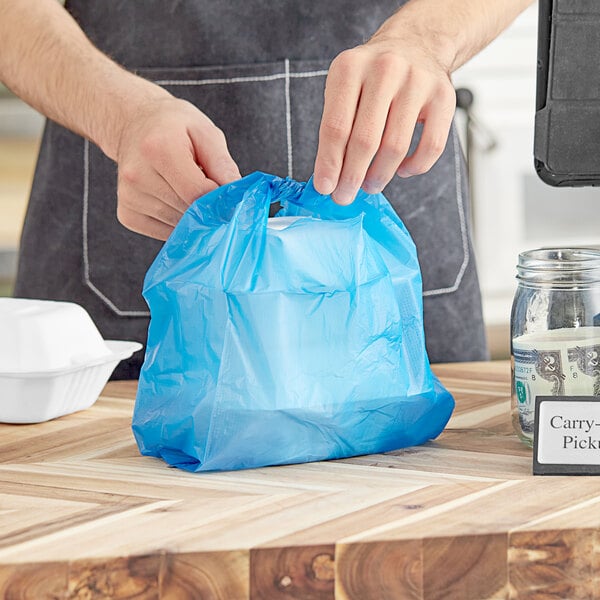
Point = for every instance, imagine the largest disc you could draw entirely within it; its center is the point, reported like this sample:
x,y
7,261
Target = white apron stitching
x,y
227,80
463,223
288,119
286,75
86,259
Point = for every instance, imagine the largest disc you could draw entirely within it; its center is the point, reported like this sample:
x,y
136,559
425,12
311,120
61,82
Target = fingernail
x,y
404,173
372,187
343,196
324,186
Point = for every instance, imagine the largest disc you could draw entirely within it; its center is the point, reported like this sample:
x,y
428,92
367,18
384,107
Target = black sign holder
x,y
559,469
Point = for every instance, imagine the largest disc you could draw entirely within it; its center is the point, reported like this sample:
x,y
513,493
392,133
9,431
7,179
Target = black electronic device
x,y
567,120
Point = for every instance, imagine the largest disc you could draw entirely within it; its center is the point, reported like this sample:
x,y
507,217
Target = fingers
x,y
171,155
143,178
394,147
437,117
148,203
342,92
144,224
210,147
173,159
157,208
364,141
373,101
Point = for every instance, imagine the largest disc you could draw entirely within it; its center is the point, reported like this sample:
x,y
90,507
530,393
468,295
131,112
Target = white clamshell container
x,y
53,360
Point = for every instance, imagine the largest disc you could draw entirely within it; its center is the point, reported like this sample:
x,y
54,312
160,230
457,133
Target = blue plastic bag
x,y
285,340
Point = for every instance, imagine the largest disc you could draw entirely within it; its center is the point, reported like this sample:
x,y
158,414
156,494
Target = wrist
x,y
408,27
125,103
451,31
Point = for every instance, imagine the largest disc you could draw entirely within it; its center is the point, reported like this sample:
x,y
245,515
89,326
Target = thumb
x,y
212,154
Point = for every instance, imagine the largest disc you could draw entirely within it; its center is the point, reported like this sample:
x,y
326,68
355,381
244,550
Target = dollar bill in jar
x,y
555,329
557,362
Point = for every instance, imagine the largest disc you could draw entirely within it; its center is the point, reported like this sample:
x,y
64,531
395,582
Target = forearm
x,y
47,60
453,30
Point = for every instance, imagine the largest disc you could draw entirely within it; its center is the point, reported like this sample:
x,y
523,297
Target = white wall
x,y
512,209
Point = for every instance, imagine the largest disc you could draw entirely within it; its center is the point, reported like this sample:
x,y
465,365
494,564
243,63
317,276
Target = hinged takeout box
x,y
53,360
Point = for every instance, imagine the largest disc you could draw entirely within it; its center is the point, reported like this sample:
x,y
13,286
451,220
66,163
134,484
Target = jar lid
x,y
561,266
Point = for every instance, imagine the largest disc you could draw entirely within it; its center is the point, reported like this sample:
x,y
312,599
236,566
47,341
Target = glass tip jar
x,y
555,330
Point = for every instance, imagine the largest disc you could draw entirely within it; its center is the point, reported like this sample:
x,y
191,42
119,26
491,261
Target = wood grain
x,y
83,515
300,572
43,581
555,564
465,566
134,577
205,576
386,570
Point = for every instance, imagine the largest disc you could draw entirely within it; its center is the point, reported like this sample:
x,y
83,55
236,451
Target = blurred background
x,y
20,132
511,211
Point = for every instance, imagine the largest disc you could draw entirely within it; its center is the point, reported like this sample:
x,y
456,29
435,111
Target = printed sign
x,y
567,435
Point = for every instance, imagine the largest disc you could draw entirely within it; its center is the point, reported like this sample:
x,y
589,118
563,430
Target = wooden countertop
x,y
83,515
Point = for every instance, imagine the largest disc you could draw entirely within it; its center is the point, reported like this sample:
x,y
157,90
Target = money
x,y
584,365
557,362
535,373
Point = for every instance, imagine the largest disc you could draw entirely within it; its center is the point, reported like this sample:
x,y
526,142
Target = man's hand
x,y
167,156
376,93
374,96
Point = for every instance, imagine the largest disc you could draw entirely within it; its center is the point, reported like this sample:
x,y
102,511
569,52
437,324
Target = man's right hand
x,y
168,155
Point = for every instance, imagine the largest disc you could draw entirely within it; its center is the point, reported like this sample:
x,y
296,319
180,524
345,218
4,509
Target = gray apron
x,y
257,68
